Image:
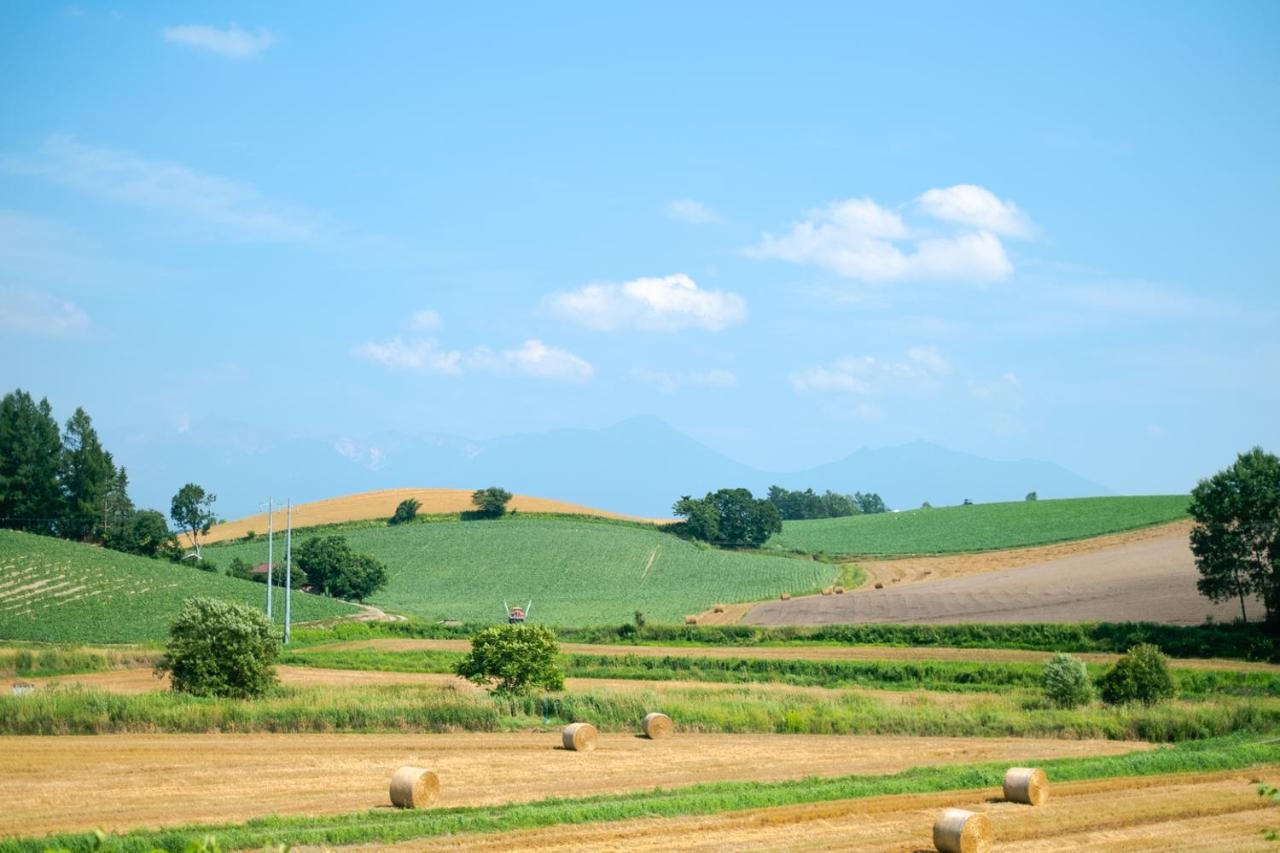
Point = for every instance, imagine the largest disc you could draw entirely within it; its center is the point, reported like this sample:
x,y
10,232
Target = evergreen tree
x,y
30,453
87,473
117,510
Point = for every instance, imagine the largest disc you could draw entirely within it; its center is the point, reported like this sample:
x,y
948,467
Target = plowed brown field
x,y
1203,812
49,784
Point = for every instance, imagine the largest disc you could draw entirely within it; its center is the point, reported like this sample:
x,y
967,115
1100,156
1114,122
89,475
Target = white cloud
x,y
533,359
36,313
867,374
976,207
417,354
230,42
125,177
664,304
692,212
424,321
670,383
859,239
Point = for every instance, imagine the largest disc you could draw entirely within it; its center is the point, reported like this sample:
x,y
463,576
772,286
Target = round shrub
x,y
1066,681
220,648
1141,675
513,659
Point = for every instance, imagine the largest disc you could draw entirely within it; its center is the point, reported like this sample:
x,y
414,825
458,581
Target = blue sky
x,y
1041,230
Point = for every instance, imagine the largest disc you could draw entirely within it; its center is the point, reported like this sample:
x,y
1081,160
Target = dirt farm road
x,y
1146,579
134,779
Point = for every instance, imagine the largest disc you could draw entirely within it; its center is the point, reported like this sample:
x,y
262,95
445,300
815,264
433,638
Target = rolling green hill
x,y
58,591
981,527
577,572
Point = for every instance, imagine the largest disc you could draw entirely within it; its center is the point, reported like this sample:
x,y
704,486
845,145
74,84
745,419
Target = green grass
x,y
61,660
576,571
981,527
53,590
389,826
739,708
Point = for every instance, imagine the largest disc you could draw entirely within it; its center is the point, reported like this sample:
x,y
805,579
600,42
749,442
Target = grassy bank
x,y
760,708
893,675
389,826
62,660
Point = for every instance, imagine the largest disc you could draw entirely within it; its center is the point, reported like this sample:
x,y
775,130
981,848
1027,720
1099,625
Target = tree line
x,y
797,505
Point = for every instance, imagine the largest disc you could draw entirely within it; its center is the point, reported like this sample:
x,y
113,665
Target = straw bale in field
x,y
414,787
579,737
1026,785
826,591
691,620
960,831
656,725
786,596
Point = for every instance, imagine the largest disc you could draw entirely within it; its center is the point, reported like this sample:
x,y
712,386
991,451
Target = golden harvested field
x,y
802,653
1195,812
116,782
382,504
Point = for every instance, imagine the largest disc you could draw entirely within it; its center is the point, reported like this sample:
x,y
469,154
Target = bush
x,y
513,659
204,564
1066,681
334,569
220,648
1141,675
491,502
406,511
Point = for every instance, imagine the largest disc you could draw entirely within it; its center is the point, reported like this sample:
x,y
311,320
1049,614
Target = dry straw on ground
x,y
1026,785
960,831
656,725
579,737
414,788
691,620
786,596
826,591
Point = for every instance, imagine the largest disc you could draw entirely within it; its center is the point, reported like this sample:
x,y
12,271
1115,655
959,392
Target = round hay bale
x,y
839,590
656,725
719,608
1026,785
879,586
786,596
826,591
691,620
414,788
579,737
960,831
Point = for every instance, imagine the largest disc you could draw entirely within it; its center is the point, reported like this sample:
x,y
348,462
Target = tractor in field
x,y
516,615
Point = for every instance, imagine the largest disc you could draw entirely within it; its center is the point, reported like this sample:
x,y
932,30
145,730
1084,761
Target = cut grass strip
x,y
386,827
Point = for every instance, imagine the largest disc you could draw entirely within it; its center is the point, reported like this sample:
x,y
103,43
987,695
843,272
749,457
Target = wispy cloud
x,y
424,321
125,177
860,239
39,314
533,359
415,354
865,374
664,304
230,42
692,212
670,383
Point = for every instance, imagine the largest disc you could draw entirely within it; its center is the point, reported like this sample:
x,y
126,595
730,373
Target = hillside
x,y
58,591
980,527
381,504
576,572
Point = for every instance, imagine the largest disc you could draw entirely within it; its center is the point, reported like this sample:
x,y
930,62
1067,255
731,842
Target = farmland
x,y
981,527
576,572
58,591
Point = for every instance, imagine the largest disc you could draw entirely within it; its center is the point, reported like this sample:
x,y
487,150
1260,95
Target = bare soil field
x,y
802,653
157,780
1201,812
1151,579
382,504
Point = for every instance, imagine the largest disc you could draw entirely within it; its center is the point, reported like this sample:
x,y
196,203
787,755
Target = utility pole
x,y
288,570
271,538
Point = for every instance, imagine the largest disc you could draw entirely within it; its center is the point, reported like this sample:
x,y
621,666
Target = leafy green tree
x,y
192,511
1140,675
731,517
87,473
241,569
333,568
220,648
1032,496
491,502
148,533
30,453
1236,537
513,659
1066,681
870,502
406,511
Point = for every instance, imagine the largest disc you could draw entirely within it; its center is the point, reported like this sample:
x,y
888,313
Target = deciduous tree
x,y
192,511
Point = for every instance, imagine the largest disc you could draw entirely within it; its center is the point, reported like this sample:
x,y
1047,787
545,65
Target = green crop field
x,y
981,527
58,591
576,572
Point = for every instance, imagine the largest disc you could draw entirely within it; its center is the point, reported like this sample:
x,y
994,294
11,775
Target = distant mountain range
x,y
639,466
